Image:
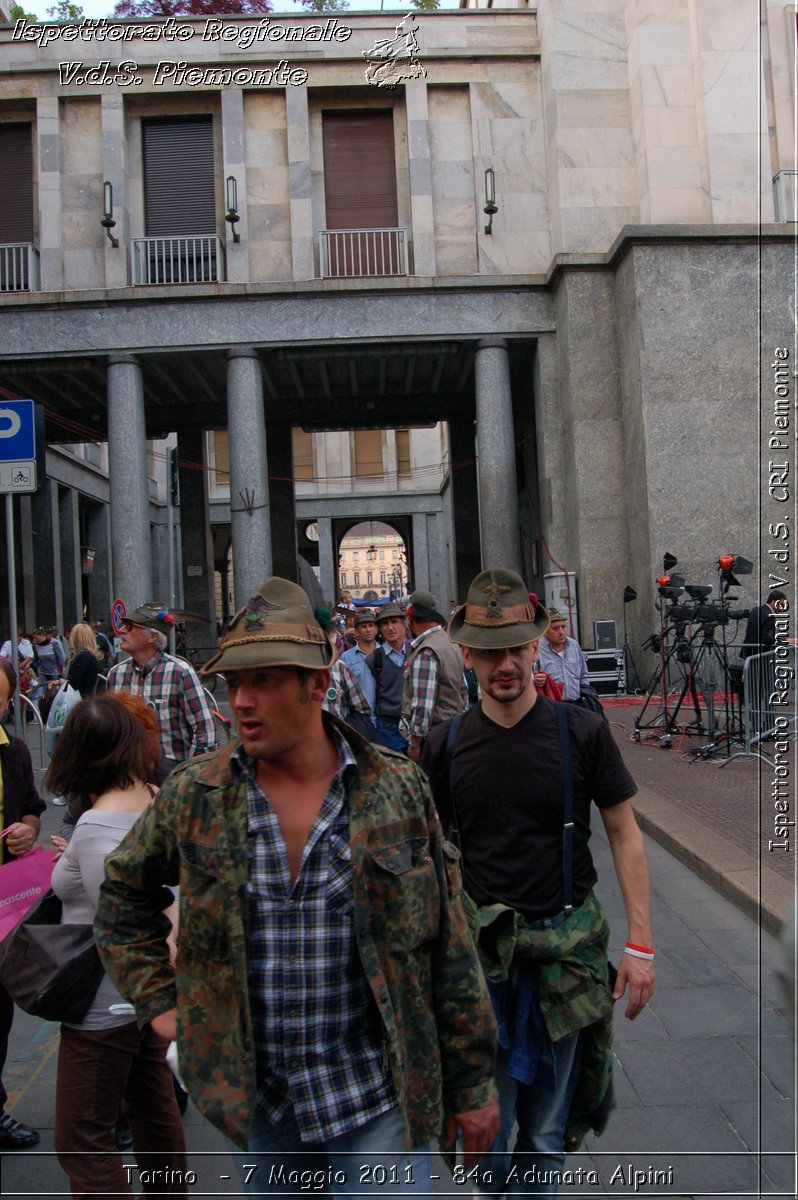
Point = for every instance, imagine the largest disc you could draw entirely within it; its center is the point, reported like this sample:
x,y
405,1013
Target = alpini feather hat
x,y
276,628
498,613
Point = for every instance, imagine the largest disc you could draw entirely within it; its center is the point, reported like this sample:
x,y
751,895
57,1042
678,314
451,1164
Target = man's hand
x,y
414,751
478,1129
640,975
165,1025
20,838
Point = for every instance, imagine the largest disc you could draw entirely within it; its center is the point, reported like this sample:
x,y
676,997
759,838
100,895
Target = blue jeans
x,y
371,1160
388,733
541,1114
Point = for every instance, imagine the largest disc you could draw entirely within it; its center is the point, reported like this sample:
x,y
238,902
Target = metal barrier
x,y
32,706
19,267
348,253
769,696
177,260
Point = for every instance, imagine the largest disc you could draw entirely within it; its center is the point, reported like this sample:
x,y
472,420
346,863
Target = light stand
x,y
627,657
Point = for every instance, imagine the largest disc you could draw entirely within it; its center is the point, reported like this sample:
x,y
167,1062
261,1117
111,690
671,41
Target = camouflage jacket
x,y
411,932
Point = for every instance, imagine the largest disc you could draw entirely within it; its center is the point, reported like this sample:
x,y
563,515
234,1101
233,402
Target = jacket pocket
x,y
405,898
203,914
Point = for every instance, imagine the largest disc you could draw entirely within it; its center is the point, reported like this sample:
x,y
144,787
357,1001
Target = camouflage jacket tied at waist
x,y
412,938
574,992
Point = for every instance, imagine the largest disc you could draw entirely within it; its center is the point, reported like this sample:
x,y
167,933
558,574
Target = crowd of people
x,y
367,923
382,882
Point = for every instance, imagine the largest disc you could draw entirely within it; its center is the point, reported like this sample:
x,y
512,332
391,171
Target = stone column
x,y
282,517
301,207
114,145
51,217
328,566
498,489
419,567
128,484
465,502
422,218
100,598
249,482
199,591
234,156
71,562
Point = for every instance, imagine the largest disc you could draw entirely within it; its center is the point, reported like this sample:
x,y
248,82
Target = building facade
x,y
553,242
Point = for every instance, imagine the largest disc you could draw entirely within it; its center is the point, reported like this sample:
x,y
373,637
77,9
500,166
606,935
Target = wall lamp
x,y
491,206
232,214
108,221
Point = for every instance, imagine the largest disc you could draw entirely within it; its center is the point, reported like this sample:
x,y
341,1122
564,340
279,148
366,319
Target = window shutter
x,y
360,170
179,189
302,445
16,183
403,453
368,453
221,458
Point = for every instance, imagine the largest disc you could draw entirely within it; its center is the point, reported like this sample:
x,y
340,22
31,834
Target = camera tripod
x,y
700,677
677,653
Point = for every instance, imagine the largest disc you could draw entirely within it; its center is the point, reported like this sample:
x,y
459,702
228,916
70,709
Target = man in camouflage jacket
x,y
411,937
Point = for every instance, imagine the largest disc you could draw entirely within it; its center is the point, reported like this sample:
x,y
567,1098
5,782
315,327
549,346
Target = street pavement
x,y
705,1078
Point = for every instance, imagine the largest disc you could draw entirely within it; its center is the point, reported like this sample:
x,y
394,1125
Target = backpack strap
x,y
568,808
375,666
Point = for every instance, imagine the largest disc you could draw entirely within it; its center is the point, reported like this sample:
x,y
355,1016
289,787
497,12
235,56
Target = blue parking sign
x,y
17,431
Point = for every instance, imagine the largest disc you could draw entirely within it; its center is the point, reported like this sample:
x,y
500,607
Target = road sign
x,y
118,614
17,446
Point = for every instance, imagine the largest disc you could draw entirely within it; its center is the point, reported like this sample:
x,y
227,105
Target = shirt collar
x,y
149,665
243,763
417,641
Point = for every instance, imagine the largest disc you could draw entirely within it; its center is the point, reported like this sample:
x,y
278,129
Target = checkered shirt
x,y
345,694
424,690
170,687
318,1038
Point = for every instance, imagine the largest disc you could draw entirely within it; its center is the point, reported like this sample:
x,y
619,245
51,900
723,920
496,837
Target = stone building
x,y
553,241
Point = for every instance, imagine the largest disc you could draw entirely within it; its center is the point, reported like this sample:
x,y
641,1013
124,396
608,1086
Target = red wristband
x,y
641,949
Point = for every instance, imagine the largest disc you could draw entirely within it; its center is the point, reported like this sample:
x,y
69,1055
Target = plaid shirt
x,y
172,689
318,1038
568,666
345,694
424,684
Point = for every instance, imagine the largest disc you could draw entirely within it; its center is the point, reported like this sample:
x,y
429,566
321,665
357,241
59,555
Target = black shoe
x,y
15,1136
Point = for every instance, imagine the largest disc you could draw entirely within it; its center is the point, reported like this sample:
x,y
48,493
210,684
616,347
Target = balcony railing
x,y
19,267
362,252
177,260
785,190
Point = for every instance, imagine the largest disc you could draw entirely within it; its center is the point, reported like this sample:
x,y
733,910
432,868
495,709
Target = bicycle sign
x,y
18,476
17,446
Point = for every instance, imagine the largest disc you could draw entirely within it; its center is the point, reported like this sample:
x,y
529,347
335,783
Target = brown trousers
x,y
97,1070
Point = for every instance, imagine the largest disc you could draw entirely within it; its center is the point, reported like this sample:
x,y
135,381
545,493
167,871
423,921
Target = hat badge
x,y
494,609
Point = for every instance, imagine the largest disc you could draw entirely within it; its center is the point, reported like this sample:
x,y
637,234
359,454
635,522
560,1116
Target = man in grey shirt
x,y
561,657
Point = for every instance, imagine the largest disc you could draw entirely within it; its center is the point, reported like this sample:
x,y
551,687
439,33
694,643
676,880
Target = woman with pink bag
x,y
20,807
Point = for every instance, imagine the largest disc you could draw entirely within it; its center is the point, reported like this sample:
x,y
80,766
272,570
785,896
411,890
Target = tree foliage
x,y
426,5
66,12
190,8
325,6
17,13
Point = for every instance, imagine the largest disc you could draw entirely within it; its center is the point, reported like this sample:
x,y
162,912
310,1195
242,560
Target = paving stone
x,y
775,1057
691,967
713,1010
702,1068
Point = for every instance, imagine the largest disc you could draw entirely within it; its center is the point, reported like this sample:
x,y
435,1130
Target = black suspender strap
x,y
568,809
376,670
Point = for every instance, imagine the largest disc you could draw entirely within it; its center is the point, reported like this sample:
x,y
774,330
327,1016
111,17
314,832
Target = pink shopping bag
x,y
22,883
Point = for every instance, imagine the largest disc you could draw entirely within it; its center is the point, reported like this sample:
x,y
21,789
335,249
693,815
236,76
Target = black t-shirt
x,y
508,790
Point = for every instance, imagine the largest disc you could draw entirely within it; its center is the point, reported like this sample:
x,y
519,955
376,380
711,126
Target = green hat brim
x,y
260,652
496,637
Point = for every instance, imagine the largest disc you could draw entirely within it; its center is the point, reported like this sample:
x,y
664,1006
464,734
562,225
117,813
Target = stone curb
x,y
756,889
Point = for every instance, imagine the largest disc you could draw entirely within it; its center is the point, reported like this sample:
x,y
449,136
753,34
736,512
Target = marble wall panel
x,y
582,148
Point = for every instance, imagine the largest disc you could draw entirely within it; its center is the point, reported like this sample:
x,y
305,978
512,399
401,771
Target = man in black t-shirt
x,y
499,780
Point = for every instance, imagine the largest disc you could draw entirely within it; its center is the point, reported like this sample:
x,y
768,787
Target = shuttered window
x,y
221,459
16,183
179,188
302,446
403,453
368,453
360,170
